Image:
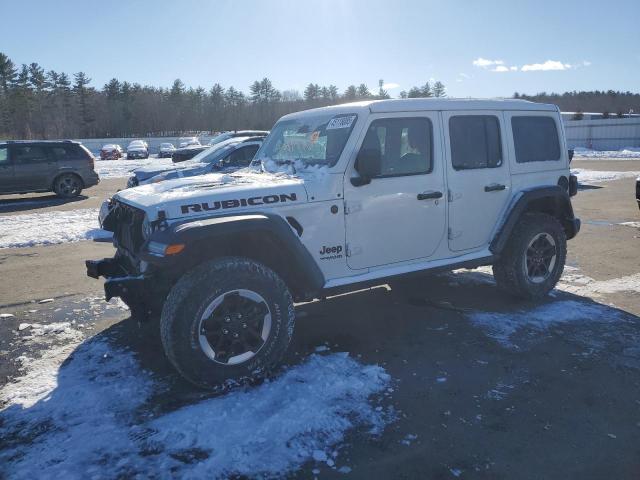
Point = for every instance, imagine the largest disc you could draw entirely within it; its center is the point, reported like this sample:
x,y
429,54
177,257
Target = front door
x,y
6,170
478,176
34,166
398,214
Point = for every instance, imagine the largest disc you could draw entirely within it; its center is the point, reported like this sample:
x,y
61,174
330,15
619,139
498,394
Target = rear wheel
x,y
229,319
67,185
534,257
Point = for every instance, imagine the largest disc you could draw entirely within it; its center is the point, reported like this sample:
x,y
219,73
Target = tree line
x,y
35,103
610,103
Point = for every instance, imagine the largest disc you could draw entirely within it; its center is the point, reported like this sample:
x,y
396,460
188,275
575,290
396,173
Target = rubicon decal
x,y
235,203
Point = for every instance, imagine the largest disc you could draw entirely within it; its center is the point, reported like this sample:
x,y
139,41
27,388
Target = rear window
x,y
475,142
535,139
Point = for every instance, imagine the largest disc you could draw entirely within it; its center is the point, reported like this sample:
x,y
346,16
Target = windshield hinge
x,y
352,207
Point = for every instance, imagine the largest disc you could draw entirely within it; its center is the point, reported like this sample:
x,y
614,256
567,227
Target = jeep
x,y
341,197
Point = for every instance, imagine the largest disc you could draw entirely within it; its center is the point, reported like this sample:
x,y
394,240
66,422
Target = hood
x,y
144,173
137,148
215,193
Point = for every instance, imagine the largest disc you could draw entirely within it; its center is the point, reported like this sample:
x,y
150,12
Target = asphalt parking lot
x,y
480,386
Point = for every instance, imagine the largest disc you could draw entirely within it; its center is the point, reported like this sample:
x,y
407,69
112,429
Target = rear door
x,y
6,170
478,174
34,166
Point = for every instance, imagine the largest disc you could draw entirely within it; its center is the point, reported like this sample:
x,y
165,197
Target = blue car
x,y
227,156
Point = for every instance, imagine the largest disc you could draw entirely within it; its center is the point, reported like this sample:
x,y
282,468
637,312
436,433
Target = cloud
x,y
586,63
546,66
485,63
500,68
390,85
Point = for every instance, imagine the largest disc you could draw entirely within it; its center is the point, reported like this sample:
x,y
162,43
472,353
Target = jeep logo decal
x,y
235,203
330,253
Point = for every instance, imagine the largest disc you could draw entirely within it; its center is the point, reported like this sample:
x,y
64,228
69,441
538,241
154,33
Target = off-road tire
x,y
67,185
188,300
510,271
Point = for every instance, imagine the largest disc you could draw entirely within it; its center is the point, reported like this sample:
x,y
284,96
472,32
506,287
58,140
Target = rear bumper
x,y
572,228
91,180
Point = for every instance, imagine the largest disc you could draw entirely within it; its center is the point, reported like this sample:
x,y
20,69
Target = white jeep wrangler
x,y
340,197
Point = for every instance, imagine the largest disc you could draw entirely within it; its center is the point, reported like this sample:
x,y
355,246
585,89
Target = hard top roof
x,y
426,104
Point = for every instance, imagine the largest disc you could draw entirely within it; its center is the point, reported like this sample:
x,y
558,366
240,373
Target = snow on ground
x,y
592,177
81,411
123,168
586,154
504,326
50,228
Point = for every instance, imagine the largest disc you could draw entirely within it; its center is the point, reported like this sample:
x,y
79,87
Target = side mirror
x,y
368,165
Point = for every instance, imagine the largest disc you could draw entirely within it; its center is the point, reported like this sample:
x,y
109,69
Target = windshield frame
x,y
309,119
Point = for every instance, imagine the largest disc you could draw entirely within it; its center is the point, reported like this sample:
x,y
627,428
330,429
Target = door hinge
x,y
453,196
352,207
454,234
352,251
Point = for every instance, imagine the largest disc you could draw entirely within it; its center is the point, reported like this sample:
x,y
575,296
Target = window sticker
x,y
314,136
341,122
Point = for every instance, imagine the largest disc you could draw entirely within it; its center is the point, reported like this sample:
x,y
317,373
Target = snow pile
x,y
123,168
50,228
504,326
86,418
592,177
293,168
585,153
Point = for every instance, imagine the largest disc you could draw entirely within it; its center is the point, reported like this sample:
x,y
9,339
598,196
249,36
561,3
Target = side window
x,y
401,146
28,154
535,139
475,142
67,152
242,156
4,155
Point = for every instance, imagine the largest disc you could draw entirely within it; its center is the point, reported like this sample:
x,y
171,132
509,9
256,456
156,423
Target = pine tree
x,y
351,93
425,91
363,91
439,90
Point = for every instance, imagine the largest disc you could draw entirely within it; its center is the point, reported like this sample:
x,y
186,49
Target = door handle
x,y
429,195
494,187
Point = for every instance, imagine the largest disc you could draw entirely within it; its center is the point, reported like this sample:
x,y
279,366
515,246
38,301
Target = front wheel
x,y
534,257
229,319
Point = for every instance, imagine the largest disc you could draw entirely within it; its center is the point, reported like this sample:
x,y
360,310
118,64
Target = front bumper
x,y
118,282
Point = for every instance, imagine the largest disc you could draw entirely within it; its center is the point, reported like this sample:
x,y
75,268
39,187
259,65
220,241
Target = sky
x,y
476,48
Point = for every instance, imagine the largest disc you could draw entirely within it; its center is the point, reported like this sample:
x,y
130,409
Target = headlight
x,y
147,229
132,182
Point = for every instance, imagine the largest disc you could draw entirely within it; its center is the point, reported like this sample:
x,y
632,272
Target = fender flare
x,y
304,274
555,199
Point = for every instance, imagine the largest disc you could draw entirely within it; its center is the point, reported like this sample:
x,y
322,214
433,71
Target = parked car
x,y
166,150
238,133
185,153
111,151
64,167
346,196
227,156
190,151
186,141
137,149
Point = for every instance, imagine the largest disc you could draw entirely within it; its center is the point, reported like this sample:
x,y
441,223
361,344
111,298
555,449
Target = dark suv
x,y
64,167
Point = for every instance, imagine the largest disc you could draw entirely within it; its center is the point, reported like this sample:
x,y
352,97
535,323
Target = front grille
x,y
128,227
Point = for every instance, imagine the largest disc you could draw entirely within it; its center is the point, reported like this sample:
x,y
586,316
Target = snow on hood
x,y
216,193
144,173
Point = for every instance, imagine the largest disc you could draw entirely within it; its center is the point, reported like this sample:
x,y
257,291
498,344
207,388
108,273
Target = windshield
x,y
211,154
219,138
317,139
166,145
